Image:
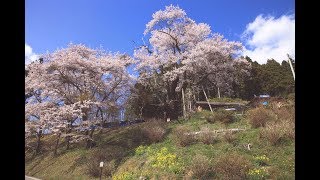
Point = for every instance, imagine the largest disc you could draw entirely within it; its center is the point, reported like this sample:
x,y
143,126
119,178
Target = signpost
x,y
101,166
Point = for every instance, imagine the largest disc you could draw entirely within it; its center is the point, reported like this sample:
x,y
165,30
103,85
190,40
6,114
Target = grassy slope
x,y
120,145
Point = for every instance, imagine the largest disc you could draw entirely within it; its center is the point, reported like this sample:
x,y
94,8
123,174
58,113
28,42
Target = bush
x,y
257,174
208,137
140,150
224,116
201,167
165,160
276,132
272,133
229,137
262,160
125,176
232,166
183,136
160,158
258,117
210,119
290,130
285,113
154,130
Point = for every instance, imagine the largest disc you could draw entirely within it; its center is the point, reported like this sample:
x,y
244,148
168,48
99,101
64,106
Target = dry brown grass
x,y
229,137
285,113
207,136
224,116
276,132
232,166
183,136
154,130
201,167
109,169
210,119
283,128
258,117
99,155
92,165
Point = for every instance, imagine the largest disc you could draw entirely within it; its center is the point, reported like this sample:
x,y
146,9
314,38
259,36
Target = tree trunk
x,y
141,110
183,104
189,101
68,137
89,141
57,144
38,147
68,142
198,95
172,108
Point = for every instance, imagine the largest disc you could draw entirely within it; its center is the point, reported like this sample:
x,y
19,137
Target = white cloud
x,y
29,56
268,37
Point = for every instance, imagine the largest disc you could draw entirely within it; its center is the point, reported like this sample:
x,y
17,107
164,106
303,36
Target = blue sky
x,y
115,24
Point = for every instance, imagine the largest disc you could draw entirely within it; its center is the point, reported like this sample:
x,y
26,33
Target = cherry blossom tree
x,y
182,53
75,84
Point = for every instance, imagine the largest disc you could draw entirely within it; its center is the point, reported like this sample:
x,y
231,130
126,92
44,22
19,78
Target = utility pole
x,y
293,74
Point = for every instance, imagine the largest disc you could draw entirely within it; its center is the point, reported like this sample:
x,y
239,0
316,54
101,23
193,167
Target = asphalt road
x,y
30,178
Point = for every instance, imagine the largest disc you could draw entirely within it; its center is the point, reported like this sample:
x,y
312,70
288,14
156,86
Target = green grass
x,y
120,145
65,166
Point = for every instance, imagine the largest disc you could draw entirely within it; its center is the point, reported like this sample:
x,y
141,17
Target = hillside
x,y
181,149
